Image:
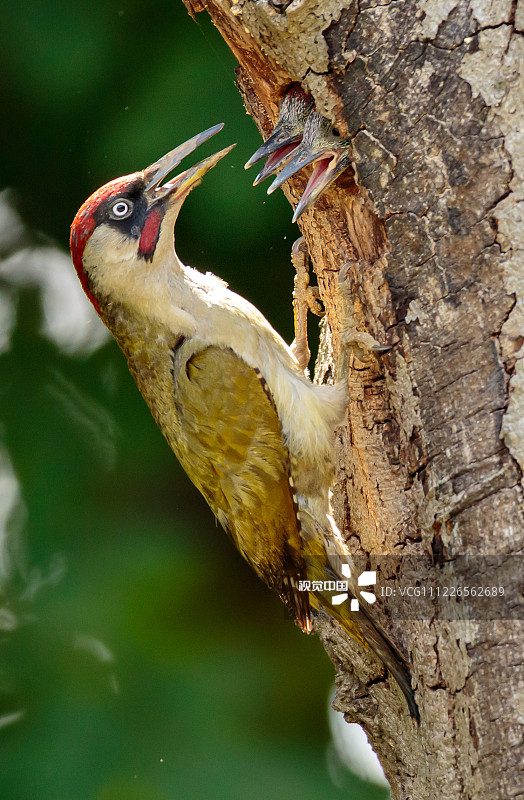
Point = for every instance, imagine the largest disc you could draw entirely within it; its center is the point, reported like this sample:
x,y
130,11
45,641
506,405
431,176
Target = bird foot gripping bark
x,y
305,298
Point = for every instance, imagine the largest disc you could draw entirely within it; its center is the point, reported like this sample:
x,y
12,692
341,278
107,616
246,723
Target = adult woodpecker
x,y
300,137
252,433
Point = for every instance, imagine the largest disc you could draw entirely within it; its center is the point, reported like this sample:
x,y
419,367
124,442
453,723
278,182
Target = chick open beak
x,y
331,156
287,133
326,170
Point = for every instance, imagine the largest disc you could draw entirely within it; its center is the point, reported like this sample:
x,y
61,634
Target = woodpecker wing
x,y
231,445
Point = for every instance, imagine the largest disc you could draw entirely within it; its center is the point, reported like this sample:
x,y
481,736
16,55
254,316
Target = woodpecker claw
x,y
305,298
287,133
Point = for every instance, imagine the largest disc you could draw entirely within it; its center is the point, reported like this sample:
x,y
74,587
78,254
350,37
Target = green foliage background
x,y
147,662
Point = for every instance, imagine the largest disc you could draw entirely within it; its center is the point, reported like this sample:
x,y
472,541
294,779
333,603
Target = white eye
x,y
121,209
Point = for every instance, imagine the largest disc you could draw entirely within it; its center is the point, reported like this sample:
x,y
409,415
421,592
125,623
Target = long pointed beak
x,y
325,172
331,154
287,133
277,160
312,146
179,185
280,138
301,159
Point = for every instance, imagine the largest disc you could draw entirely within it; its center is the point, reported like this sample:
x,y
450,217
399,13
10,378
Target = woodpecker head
x,y
127,225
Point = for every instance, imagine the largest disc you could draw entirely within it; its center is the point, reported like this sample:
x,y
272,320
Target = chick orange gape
x,y
254,435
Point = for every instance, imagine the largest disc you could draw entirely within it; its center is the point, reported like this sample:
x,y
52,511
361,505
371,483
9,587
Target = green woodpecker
x,y
287,133
300,137
253,434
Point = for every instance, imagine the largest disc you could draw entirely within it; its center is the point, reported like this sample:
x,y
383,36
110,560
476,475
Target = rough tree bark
x,y
428,237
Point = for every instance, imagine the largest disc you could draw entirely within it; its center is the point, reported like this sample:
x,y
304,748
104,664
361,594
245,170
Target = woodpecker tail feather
x,y
360,626
327,560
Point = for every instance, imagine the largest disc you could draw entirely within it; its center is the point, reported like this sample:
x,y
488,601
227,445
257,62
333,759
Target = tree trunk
x,y
420,249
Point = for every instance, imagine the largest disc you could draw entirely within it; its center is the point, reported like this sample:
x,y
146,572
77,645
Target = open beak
x,y
277,159
281,139
183,183
331,156
326,169
287,133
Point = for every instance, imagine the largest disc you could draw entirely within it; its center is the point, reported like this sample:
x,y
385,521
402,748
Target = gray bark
x,y
427,235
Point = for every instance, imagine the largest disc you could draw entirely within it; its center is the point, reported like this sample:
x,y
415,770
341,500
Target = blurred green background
x,y
141,659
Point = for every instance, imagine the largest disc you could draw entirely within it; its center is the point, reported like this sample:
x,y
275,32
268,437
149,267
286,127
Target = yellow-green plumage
x,y
220,420
252,433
